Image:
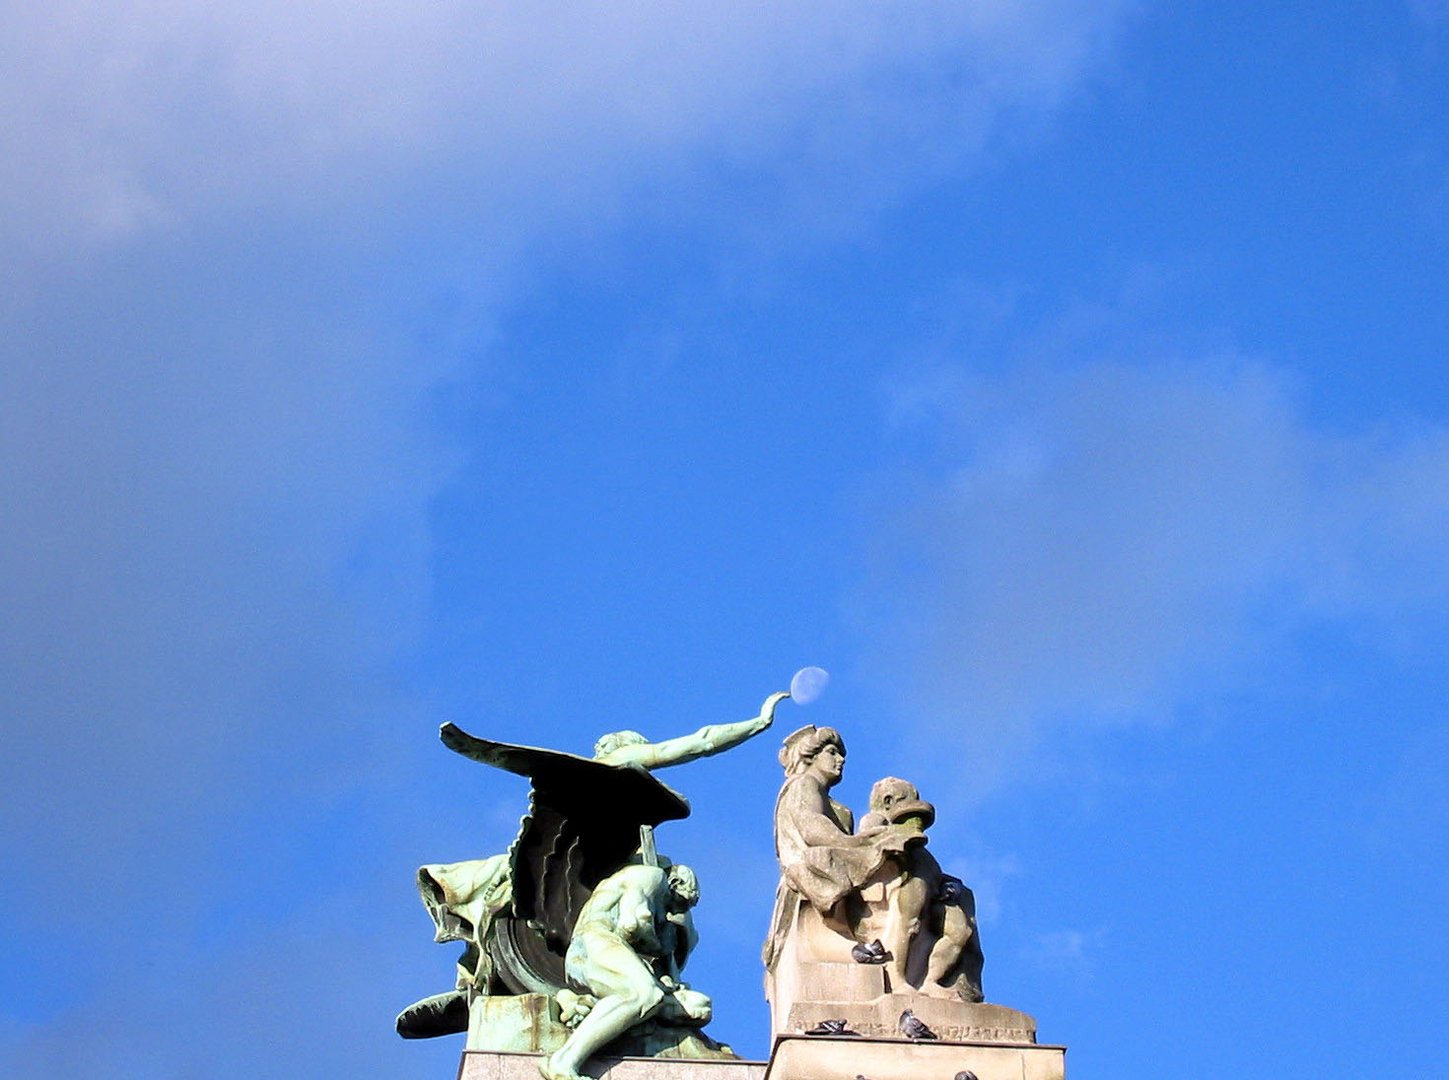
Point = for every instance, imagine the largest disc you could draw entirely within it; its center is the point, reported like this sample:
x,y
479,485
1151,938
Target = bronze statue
x,y
588,818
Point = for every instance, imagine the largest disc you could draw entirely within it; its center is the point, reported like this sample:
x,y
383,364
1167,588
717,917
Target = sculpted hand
x,y
767,710
892,838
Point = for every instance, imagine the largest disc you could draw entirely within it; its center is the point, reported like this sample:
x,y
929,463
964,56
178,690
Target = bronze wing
x,y
582,824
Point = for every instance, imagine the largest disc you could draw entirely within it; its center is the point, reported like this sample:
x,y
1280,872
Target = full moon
x,y
808,684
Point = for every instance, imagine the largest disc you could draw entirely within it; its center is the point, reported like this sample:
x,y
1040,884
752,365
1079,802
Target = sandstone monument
x,y
575,940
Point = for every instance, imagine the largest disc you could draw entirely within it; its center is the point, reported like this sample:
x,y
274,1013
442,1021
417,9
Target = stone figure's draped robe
x,y
822,874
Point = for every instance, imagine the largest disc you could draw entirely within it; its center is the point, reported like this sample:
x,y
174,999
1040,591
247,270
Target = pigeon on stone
x,y
951,890
874,953
831,1027
914,1028
965,1074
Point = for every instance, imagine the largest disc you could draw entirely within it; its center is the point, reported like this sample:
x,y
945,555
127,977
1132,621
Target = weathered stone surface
x,y
479,1065
839,982
957,1021
874,896
815,979
826,1058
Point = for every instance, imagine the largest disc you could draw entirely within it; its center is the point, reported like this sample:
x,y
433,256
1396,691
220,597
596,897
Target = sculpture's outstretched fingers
x,y
767,710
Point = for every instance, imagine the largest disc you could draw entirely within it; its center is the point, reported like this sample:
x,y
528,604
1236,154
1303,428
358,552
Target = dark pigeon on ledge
x,y
913,1027
874,953
831,1027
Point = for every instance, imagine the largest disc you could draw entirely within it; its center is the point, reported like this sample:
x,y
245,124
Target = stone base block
x,y
952,1020
483,1065
839,982
827,1058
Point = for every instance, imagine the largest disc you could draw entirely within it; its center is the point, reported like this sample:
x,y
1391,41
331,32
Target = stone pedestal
x,y
952,1021
814,979
813,1057
808,1057
485,1065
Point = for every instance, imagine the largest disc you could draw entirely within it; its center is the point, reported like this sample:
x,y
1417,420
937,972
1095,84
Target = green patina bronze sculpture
x,y
628,948
587,834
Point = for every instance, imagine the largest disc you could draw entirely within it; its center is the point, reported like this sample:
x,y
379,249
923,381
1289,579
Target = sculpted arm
x,y
806,811
711,739
685,939
638,914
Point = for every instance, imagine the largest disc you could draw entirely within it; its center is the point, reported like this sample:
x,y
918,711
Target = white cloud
x,y
214,551
1103,543
987,874
1066,953
145,113
217,458
216,449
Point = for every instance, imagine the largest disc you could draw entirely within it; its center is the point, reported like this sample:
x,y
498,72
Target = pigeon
x,y
913,1028
831,1027
951,891
874,953
965,1074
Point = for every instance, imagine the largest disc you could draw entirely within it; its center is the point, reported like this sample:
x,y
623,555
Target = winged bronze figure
x,y
587,818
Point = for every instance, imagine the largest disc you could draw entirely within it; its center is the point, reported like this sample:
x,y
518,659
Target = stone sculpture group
x,y
876,896
575,939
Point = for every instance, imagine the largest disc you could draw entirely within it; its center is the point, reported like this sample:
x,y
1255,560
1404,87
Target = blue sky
x,y
1068,379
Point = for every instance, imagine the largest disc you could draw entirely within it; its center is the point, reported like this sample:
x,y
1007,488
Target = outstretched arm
x,y
805,807
711,739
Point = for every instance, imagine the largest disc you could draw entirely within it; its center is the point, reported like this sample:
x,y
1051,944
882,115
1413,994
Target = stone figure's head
x,y
897,802
683,887
813,749
607,744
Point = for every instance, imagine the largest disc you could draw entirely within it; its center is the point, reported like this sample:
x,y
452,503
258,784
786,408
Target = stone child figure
x,y
629,945
930,922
